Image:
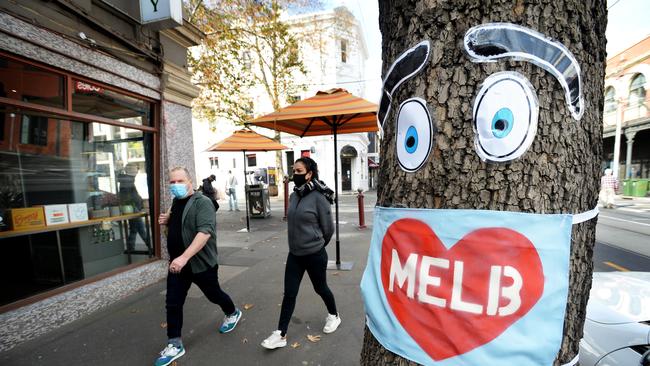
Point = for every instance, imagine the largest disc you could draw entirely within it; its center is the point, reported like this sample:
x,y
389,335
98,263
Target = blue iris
x,y
411,140
502,123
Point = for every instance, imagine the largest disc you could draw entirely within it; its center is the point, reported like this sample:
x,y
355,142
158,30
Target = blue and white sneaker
x,y
169,354
230,321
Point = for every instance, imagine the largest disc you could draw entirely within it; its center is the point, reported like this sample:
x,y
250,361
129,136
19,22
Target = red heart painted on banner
x,y
447,322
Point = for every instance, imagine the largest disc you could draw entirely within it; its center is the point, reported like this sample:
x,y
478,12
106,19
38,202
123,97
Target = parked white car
x,y
617,328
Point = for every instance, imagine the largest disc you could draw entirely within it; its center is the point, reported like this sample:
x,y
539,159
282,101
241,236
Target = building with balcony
x,y
627,103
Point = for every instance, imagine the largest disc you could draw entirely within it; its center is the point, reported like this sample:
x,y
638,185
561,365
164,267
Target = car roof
x,y
619,297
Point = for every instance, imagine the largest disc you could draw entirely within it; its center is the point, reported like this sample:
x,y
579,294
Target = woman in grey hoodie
x,y
309,219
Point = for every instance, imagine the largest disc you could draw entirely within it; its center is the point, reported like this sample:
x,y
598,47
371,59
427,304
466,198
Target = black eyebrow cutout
x,y
409,63
493,41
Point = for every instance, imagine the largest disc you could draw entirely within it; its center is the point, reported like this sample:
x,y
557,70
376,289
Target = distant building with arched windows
x,y
626,100
335,59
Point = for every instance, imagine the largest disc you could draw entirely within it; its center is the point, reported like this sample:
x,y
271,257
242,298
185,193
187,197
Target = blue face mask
x,y
179,190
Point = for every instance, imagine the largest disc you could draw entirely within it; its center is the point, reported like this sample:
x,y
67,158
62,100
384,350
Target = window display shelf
x,y
73,225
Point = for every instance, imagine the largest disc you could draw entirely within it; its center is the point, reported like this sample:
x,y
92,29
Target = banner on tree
x,y
468,287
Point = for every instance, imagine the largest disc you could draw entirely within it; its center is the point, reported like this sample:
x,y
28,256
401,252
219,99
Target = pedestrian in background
x,y
192,246
231,191
208,190
309,220
608,187
129,196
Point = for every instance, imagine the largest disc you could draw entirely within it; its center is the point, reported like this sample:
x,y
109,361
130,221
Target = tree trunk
x,y
560,171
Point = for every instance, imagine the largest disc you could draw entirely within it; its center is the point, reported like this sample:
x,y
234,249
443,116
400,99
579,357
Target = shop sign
x,y
165,13
80,86
27,218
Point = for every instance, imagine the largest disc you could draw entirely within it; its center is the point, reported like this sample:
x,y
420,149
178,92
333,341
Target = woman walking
x,y
309,220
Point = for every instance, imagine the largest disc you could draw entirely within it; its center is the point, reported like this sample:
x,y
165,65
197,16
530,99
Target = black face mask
x,y
299,179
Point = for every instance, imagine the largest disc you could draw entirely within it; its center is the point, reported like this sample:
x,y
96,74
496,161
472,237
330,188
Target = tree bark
x,y
560,171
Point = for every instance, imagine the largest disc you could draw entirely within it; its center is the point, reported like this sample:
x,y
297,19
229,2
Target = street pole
x,y
617,138
628,159
248,223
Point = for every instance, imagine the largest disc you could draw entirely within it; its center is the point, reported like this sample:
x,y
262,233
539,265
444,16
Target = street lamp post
x,y
617,137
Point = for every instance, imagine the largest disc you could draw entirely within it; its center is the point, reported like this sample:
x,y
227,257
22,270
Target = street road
x,y
622,241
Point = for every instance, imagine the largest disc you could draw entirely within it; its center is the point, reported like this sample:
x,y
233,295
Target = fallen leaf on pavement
x,y
163,325
295,345
248,306
313,338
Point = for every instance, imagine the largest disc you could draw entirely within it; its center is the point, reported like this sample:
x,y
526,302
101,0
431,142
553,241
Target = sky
x,y
628,23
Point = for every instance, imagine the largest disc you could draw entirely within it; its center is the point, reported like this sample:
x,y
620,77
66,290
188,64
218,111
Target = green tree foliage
x,y
248,49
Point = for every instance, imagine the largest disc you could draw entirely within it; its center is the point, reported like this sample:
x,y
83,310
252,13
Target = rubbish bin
x,y
259,203
627,187
639,187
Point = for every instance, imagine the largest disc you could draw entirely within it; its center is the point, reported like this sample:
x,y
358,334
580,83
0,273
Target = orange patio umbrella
x,y
330,112
246,140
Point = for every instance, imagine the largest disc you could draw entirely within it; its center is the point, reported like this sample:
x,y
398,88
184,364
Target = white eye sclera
x,y
414,134
505,117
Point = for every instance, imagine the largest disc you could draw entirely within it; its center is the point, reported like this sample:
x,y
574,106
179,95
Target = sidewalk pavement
x,y
131,331
632,204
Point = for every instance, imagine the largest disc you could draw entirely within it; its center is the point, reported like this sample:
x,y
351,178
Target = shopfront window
x,y
74,201
27,83
96,100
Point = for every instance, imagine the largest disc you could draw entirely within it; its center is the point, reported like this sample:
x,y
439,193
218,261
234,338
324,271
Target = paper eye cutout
x,y
407,65
494,41
414,134
505,117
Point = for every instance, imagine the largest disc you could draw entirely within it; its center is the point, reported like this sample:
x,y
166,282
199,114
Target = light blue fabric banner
x,y
468,287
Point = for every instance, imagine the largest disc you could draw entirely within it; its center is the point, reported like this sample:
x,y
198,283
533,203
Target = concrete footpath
x,y
632,204
132,331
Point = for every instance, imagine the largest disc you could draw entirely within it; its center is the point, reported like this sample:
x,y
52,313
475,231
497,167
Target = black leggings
x,y
316,266
177,286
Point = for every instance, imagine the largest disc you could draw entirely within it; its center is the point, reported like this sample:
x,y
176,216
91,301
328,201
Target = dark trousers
x,y
177,286
136,226
316,266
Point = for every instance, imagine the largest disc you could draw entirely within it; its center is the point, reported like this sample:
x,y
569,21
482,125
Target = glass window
x,y
27,83
214,162
96,100
246,60
344,51
293,99
637,90
33,130
610,100
92,182
290,161
251,159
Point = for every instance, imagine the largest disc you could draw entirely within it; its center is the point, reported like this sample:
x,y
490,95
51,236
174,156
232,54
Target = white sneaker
x,y
331,323
275,340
